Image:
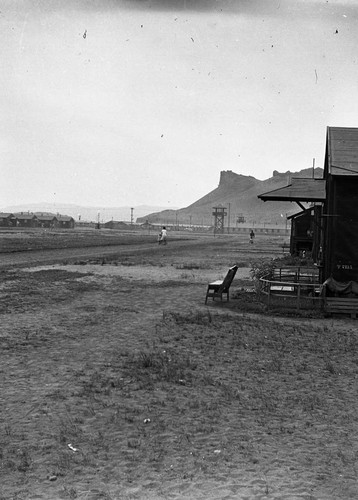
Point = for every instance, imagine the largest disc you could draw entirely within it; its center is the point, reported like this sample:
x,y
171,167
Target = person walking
x,y
164,236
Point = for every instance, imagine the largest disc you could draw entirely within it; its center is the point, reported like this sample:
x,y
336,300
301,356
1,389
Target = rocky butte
x,y
238,193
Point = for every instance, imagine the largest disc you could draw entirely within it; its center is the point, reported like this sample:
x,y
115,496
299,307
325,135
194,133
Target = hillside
x,y
238,193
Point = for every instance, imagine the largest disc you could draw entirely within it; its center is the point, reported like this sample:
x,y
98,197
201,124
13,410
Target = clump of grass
x,y
70,492
163,365
25,461
329,366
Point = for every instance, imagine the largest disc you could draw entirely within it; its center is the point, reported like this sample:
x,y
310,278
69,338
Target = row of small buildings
x,y
30,220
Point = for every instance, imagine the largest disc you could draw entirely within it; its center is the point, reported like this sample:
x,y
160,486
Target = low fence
x,y
293,288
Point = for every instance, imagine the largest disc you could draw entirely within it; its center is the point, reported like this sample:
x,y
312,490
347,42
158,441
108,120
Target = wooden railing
x,y
292,287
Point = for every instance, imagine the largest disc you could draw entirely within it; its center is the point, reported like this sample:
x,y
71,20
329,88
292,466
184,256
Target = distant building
x,y
65,222
81,224
7,219
26,220
147,225
114,224
48,221
240,219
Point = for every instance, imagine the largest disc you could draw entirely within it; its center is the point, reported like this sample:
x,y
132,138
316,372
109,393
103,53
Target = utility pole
x,y
132,210
228,221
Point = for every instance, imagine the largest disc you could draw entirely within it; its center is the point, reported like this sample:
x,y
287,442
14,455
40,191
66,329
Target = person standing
x,y
252,236
164,236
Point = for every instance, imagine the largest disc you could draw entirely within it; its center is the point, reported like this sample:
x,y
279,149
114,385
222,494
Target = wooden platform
x,y
342,305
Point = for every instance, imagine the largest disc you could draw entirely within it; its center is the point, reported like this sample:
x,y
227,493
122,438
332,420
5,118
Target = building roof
x,y
25,216
342,151
46,217
64,218
300,189
5,215
117,222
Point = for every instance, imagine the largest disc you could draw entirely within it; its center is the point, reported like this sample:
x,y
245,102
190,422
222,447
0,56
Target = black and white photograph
x,y
178,249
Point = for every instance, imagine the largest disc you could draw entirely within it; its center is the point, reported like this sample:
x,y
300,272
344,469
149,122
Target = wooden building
x,y
335,223
26,220
306,226
47,221
65,222
306,231
340,213
7,219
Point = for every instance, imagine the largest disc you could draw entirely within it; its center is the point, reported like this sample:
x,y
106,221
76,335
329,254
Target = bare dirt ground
x,y
117,382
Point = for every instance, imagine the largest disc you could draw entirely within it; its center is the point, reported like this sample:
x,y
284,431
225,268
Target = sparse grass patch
x,y
162,365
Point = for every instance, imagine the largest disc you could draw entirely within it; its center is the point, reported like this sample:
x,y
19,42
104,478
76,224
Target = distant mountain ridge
x,y
238,193
84,213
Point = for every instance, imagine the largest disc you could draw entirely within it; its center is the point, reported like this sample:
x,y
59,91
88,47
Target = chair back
x,y
228,279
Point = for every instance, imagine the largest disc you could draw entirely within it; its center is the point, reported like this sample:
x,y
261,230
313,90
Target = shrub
x,y
261,268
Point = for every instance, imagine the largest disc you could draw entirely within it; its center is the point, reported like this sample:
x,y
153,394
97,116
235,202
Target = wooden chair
x,y
220,287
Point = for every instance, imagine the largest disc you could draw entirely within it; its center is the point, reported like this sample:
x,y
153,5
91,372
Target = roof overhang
x,y
301,190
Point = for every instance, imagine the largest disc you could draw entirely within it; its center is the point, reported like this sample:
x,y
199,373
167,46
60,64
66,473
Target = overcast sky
x,y
119,102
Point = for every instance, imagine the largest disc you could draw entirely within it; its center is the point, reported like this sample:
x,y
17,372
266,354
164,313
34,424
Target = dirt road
x,y
36,257
204,245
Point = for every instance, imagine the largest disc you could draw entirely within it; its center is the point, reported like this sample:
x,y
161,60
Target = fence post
x,y
268,294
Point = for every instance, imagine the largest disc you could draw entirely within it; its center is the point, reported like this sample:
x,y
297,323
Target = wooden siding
x,y
342,151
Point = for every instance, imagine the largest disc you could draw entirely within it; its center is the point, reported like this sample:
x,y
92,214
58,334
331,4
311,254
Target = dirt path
x,y
70,254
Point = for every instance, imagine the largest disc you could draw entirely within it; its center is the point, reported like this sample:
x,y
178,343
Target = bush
x,y
264,267
261,268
